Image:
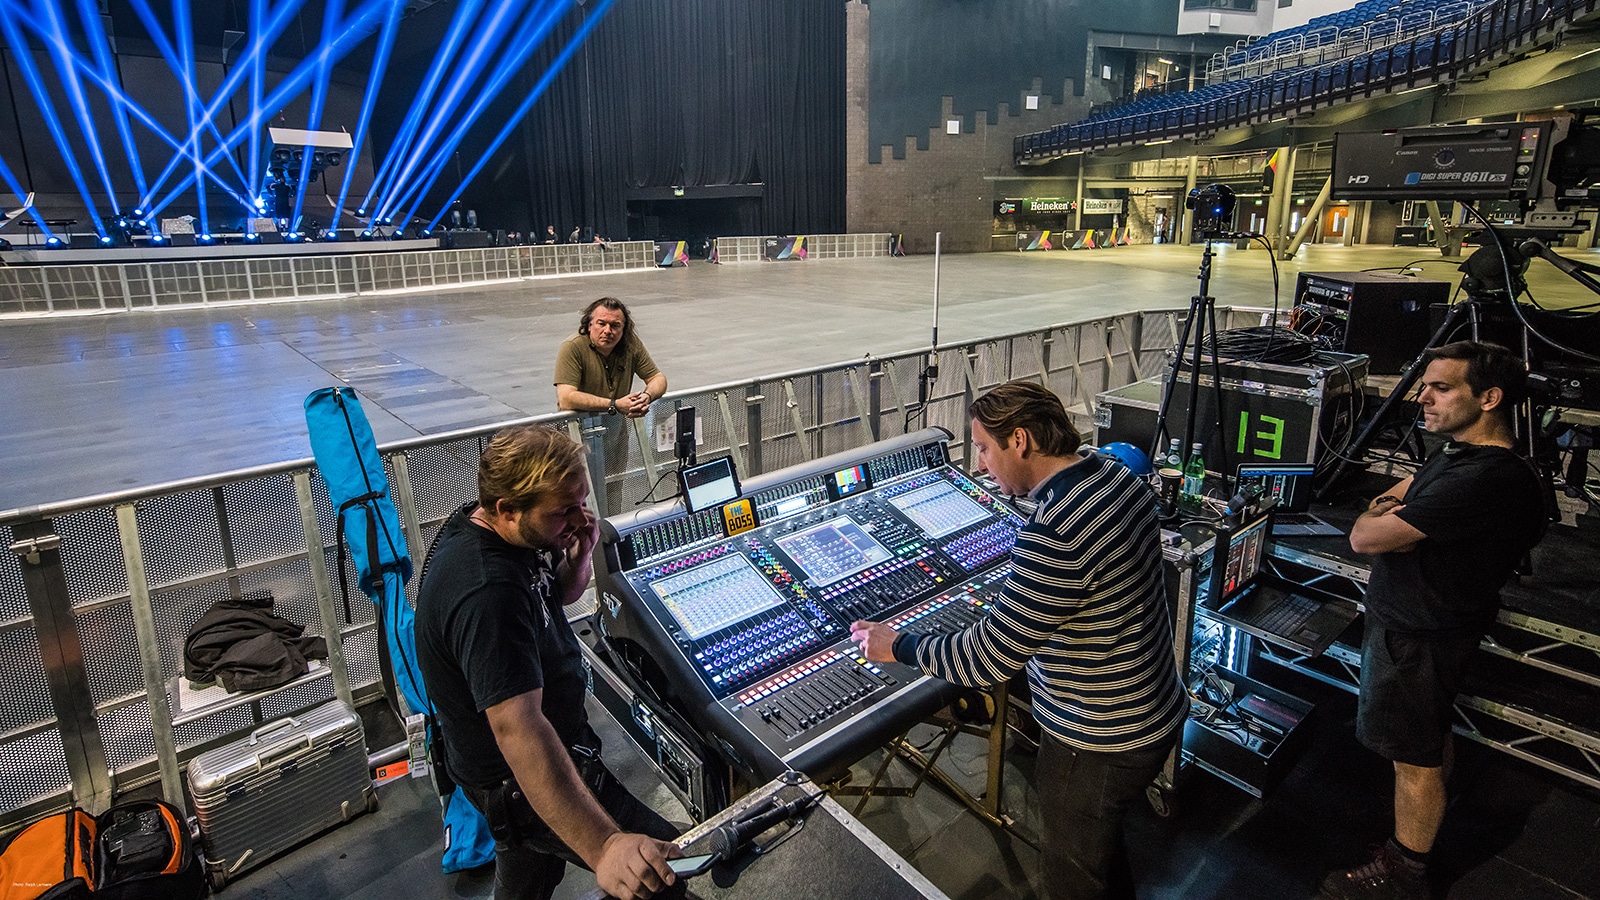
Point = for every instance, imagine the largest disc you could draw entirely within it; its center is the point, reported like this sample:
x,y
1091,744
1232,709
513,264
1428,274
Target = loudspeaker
x,y
269,237
182,239
83,242
466,240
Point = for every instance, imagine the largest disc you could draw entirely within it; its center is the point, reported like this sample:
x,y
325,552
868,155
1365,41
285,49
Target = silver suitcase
x,y
287,781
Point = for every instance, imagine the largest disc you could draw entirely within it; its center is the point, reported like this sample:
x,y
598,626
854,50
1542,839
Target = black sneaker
x,y
1389,876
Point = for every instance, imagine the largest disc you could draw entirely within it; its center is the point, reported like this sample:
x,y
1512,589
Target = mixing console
x,y
750,626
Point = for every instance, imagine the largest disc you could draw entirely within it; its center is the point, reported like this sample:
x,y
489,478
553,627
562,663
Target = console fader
x,y
748,627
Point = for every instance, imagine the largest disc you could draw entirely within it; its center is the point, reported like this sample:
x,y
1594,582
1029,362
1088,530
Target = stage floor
x,y
115,401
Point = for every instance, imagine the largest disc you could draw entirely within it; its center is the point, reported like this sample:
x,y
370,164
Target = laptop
x,y
1244,594
1291,486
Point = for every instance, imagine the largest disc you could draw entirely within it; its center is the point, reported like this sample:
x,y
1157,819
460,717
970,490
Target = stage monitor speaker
x,y
466,240
182,239
83,242
1381,314
269,237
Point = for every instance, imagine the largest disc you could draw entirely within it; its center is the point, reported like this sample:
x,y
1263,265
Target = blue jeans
x,y
1083,796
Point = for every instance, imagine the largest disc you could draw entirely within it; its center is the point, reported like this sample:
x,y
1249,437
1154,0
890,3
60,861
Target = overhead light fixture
x,y
1163,59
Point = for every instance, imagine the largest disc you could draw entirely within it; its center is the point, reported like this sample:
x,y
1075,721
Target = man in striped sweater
x,y
1085,612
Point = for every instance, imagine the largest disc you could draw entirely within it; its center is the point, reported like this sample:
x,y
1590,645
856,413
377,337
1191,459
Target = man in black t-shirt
x,y
506,678
1443,542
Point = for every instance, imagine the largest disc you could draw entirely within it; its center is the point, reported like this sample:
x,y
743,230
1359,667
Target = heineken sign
x,y
1104,207
1035,206
1059,206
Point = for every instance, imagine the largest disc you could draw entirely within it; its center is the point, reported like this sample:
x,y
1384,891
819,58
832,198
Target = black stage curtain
x,y
681,93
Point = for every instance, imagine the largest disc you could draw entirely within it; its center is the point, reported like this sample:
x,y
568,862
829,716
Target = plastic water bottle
x,y
1194,476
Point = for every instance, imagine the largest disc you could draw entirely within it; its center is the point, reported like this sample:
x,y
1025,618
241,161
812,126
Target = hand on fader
x,y
876,640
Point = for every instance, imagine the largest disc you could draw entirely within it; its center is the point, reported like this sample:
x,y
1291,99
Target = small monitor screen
x,y
848,481
791,505
709,484
714,595
1247,547
1291,486
939,509
833,550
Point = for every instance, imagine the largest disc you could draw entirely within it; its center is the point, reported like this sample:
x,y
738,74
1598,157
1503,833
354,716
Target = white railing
x,y
1252,57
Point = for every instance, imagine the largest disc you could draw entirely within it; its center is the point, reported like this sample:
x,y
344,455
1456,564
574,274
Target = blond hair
x,y
524,462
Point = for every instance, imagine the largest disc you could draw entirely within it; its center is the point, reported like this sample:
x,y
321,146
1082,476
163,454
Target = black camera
x,y
1213,210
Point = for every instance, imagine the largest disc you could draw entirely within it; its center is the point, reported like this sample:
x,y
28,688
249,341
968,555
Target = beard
x,y
536,539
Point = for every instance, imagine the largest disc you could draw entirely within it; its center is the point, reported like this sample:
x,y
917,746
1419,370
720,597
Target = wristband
x,y
1389,498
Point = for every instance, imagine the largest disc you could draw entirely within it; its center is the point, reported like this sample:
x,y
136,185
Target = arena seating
x,y
1484,33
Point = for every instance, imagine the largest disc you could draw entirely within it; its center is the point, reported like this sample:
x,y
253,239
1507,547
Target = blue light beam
x,y
533,31
290,87
16,187
41,96
62,55
89,12
400,147
319,96
380,64
281,18
466,72
538,90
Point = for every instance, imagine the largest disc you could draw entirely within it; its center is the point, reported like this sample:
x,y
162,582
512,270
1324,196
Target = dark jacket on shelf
x,y
242,644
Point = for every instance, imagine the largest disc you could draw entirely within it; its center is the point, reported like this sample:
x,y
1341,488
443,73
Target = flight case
x,y
287,781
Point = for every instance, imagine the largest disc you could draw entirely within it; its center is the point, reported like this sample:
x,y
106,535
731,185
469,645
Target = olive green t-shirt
x,y
579,364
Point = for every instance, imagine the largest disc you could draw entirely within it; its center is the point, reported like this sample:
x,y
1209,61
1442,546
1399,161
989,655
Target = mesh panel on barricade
x,y
32,768
443,477
361,655
216,726
91,555
13,591
24,697
180,537
128,735
293,700
109,654
263,519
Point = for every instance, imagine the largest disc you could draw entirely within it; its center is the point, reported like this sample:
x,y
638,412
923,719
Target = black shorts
x,y
1409,684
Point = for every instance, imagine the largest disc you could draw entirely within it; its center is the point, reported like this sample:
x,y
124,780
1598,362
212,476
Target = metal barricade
x,y
99,593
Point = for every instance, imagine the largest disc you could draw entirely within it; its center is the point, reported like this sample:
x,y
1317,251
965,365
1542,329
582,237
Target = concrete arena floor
x,y
116,401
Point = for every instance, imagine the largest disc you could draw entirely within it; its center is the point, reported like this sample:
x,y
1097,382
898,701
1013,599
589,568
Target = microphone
x,y
727,839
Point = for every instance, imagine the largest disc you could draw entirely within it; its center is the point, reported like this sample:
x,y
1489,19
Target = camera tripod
x,y
1201,319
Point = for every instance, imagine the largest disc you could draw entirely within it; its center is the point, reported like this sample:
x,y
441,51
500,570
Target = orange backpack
x,y
134,851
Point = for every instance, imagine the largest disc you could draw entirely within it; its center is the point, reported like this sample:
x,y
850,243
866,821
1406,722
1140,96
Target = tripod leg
x,y
1172,380
1221,446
